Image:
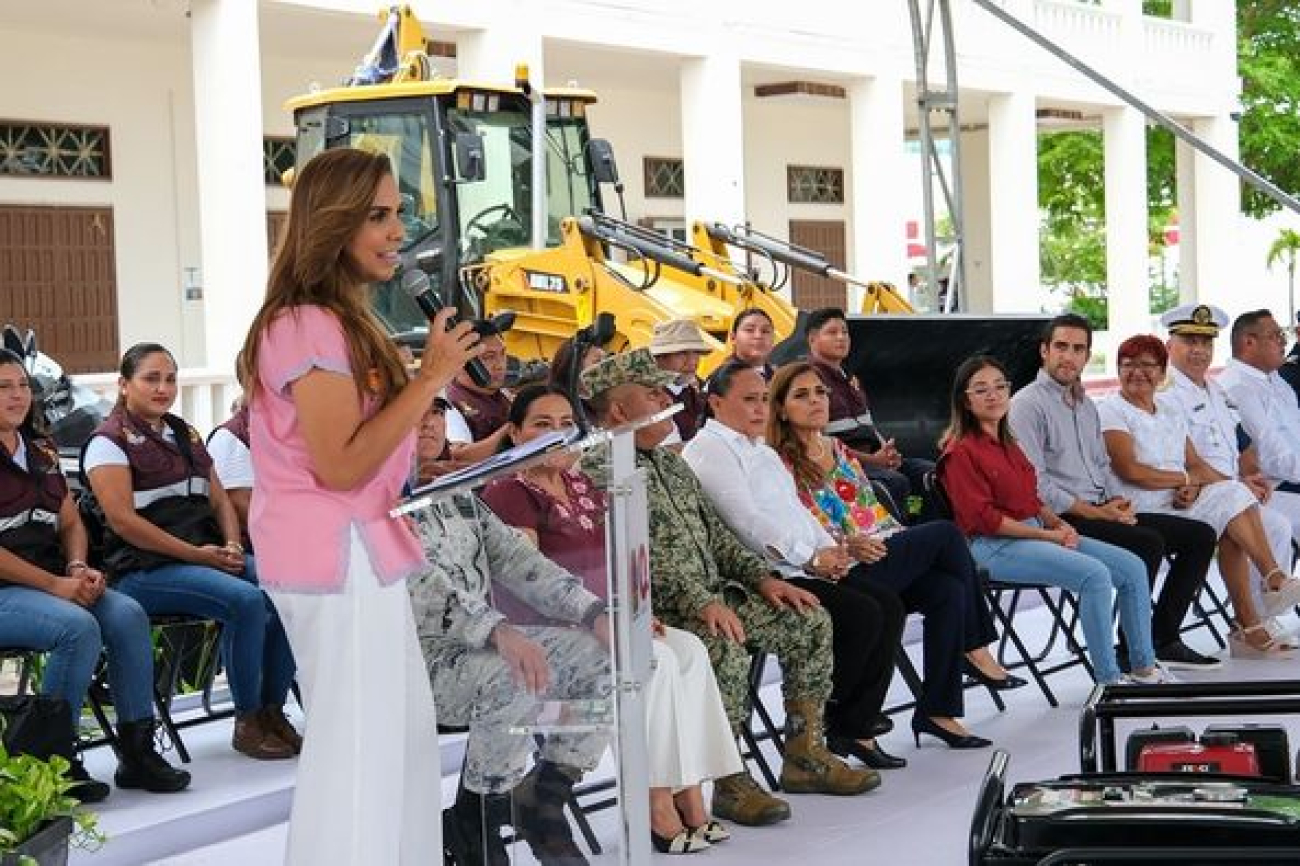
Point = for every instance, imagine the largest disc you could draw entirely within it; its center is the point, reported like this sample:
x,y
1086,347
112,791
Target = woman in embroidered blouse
x,y
1151,452
993,491
928,565
563,513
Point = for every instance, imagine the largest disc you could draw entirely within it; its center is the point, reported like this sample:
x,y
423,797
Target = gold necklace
x,y
821,449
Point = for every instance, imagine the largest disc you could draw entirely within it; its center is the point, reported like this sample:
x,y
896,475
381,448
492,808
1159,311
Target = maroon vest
x,y
484,413
155,462
30,500
691,417
169,484
238,425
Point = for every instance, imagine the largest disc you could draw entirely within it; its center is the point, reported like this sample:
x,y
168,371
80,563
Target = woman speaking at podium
x,y
332,430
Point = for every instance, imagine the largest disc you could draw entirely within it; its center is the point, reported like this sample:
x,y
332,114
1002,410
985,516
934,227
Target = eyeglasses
x,y
983,392
1278,336
1147,366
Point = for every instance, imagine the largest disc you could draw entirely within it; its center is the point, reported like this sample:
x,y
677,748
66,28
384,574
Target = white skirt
x,y
1217,504
369,787
688,736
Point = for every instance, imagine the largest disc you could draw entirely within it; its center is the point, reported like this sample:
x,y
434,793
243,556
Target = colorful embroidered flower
x,y
846,491
862,518
586,504
586,523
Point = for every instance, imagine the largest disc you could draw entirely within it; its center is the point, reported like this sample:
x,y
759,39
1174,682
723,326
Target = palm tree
x,y
1286,249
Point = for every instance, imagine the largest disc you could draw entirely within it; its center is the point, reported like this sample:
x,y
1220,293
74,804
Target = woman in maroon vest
x,y
173,544
51,601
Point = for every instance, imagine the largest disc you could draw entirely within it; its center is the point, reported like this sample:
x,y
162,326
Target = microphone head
x,y
415,282
604,328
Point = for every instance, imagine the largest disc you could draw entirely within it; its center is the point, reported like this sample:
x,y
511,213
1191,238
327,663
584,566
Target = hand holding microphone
x,y
451,345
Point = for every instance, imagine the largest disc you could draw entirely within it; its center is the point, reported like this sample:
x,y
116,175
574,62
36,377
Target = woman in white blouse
x,y
756,496
1154,458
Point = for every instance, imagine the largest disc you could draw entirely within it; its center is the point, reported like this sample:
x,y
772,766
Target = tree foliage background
x,y
1071,174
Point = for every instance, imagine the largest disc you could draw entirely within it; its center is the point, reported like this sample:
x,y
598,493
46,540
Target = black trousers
x,y
931,569
868,625
1189,545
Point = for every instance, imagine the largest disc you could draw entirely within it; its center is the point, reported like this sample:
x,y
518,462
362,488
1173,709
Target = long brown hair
x,y
963,421
780,433
331,200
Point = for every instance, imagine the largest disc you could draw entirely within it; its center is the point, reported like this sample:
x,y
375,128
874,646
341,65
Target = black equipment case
x,y
1134,818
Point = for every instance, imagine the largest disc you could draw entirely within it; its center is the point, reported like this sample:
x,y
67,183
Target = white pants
x,y
1287,505
688,735
369,787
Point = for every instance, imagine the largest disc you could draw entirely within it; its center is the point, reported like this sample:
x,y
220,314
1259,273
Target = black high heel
x,y
873,756
925,725
1005,684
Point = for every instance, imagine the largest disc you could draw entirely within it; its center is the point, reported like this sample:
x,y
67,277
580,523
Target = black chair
x,y
768,728
1060,603
186,644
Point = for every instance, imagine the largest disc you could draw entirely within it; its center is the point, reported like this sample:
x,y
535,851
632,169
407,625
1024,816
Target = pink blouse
x,y
300,528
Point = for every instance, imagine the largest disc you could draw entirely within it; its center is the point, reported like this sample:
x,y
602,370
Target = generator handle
x,y
1166,855
987,806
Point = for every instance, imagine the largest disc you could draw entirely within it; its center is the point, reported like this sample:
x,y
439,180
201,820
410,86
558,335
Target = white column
x,y
232,195
977,219
491,55
881,183
713,138
1210,231
1124,133
1014,273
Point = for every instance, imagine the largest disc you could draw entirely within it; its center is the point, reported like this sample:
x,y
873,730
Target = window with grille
x,y
806,184
277,158
664,177
54,150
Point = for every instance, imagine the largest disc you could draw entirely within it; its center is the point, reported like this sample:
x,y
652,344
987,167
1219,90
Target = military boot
x,y
740,799
539,802
809,767
471,829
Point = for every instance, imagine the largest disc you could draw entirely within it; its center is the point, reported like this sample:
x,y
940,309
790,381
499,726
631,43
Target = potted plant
x,y
37,817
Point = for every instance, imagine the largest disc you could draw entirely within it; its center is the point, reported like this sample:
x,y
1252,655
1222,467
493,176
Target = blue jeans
x,y
259,663
74,636
1090,571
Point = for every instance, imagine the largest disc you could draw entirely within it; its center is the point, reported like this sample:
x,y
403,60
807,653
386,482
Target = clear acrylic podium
x,y
593,710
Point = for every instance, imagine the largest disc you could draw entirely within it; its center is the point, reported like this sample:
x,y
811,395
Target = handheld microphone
x,y
415,283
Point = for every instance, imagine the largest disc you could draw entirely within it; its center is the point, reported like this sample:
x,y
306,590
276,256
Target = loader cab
x,y
462,159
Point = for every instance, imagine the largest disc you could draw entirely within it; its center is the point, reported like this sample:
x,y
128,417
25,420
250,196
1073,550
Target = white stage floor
x,y
235,811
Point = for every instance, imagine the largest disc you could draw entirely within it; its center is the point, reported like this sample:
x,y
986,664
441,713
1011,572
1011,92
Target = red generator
x,y
1217,752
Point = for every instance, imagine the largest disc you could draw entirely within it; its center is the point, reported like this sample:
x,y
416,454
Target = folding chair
x,y
769,729
167,673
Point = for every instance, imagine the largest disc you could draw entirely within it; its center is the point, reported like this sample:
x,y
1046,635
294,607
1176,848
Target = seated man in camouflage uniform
x,y
707,582
493,676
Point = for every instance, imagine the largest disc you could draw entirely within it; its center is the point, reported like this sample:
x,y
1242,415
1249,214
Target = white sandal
x,y
1240,647
1282,599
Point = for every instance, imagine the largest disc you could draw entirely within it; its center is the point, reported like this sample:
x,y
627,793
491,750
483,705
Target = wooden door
x,y
275,222
828,238
58,277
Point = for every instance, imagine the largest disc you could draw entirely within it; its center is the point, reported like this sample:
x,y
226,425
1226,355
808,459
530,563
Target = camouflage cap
x,y
636,366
